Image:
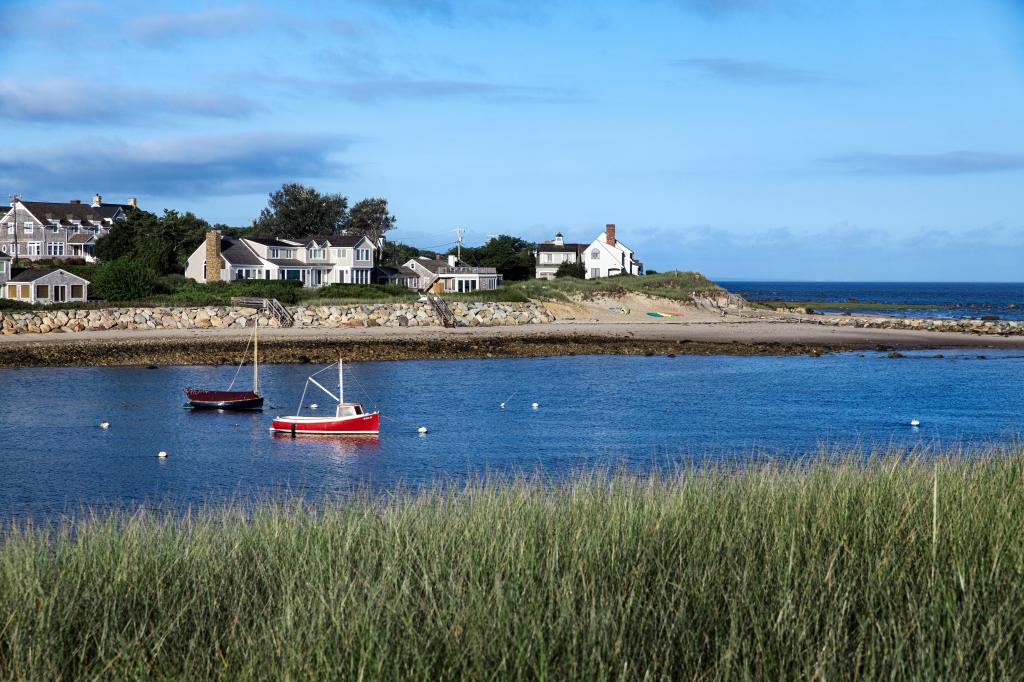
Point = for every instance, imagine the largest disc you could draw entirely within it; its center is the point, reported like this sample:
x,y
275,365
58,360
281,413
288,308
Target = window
x,y
362,254
54,226
342,253
54,248
595,254
77,291
10,228
360,276
42,291
595,273
3,266
29,226
275,253
12,291
34,249
547,258
317,254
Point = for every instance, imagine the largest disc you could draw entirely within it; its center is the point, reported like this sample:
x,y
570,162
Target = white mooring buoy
x,y
162,454
914,422
313,406
502,406
104,425
535,405
422,429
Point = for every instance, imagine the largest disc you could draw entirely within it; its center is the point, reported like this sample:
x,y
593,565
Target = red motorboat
x,y
200,399
348,419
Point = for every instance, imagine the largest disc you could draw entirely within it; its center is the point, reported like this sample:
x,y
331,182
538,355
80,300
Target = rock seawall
x,y
218,317
1001,327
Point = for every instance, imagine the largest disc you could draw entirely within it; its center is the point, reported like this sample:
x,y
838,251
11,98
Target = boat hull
x,y
363,424
223,400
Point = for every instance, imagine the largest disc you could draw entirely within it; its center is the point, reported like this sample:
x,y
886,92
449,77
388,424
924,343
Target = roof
x,y
32,274
236,252
287,262
431,264
564,248
270,241
81,238
401,271
4,256
48,210
349,240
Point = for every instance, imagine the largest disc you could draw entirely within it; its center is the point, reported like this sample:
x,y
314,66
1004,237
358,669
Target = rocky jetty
x,y
218,317
997,327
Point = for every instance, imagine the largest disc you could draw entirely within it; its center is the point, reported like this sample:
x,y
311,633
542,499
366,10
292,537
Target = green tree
x,y
397,253
163,243
124,279
576,269
370,218
511,256
297,211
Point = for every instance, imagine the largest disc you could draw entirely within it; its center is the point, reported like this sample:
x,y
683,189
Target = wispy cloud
x,y
177,166
755,72
714,8
376,90
173,27
75,101
448,11
947,163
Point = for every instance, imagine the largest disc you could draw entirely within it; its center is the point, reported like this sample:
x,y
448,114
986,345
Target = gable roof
x,y
349,240
271,241
29,275
45,211
4,256
237,252
564,248
81,238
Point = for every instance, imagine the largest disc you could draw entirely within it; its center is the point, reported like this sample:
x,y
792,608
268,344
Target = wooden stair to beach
x,y
443,311
270,305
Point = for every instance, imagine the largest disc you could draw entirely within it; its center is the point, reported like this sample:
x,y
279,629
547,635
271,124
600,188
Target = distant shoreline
x,y
731,336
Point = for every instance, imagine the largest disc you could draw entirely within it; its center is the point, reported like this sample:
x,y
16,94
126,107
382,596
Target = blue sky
x,y
782,139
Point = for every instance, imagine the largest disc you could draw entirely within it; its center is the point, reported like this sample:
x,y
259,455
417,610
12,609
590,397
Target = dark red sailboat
x,y
200,399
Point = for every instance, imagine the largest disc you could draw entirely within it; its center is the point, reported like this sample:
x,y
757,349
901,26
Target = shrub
x,y
650,272
577,270
361,291
168,284
124,279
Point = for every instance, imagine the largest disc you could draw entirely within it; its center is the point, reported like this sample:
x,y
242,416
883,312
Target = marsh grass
x,y
896,567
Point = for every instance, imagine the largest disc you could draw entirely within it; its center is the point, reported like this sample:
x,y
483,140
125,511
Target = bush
x,y
124,279
650,272
361,291
169,284
577,270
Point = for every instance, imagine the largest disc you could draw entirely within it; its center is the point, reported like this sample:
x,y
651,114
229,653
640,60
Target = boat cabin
x,y
349,410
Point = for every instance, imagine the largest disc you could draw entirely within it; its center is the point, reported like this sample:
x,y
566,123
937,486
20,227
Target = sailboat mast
x,y
341,385
256,357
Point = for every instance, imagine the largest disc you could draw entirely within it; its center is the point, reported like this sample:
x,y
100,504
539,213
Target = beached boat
x,y
348,419
202,399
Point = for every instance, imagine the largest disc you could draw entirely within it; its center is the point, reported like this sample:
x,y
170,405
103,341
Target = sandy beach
x,y
590,329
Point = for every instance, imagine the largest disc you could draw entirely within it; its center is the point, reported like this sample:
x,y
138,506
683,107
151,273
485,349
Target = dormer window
x,y
54,226
275,253
317,254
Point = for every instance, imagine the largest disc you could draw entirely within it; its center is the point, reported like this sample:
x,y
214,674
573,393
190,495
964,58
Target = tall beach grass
x,y
896,567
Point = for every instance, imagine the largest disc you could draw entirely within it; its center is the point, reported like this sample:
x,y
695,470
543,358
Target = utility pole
x,y
459,231
15,198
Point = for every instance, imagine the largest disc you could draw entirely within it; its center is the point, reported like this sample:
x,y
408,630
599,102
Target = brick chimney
x,y
97,201
75,202
213,256
133,202
609,234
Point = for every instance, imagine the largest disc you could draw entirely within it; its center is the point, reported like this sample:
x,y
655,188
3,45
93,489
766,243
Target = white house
x,y
450,276
606,256
314,261
551,254
46,285
45,229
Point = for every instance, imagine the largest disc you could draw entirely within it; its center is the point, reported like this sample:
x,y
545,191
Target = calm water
x,y
633,411
960,300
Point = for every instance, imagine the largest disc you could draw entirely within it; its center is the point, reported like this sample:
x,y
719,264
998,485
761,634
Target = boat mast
x,y
341,386
256,357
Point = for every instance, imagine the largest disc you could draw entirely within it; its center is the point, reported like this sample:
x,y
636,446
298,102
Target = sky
x,y
746,139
